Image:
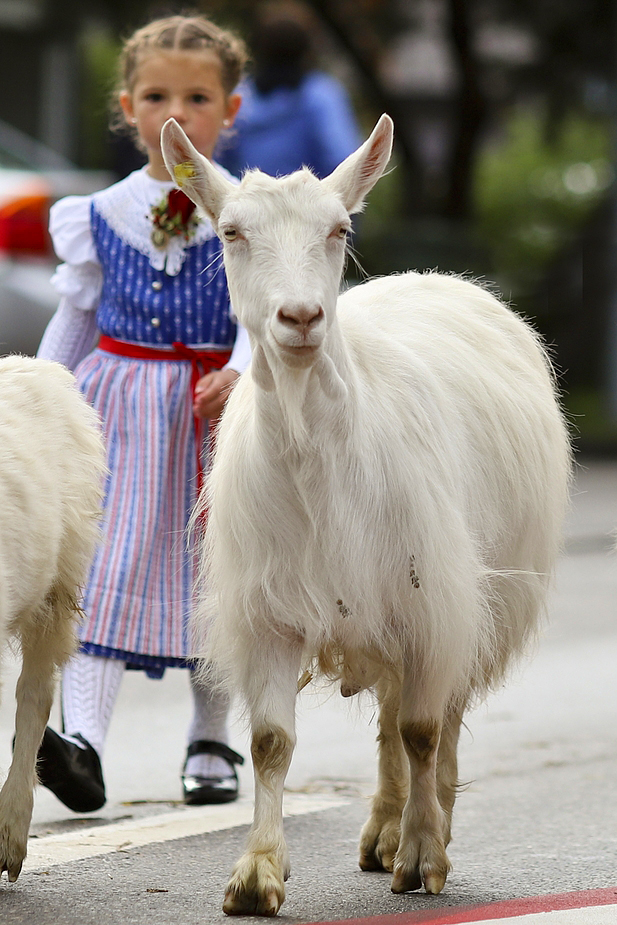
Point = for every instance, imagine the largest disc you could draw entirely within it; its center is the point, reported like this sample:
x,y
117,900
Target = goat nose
x,y
300,316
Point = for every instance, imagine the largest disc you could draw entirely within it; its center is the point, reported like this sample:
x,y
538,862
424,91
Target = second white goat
x,y
52,466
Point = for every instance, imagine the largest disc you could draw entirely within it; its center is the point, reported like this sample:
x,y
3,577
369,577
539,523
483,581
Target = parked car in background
x,y
32,177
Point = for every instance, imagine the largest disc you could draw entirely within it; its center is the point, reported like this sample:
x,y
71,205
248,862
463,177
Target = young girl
x,y
143,273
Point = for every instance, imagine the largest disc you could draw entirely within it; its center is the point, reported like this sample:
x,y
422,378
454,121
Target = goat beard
x,y
294,391
329,379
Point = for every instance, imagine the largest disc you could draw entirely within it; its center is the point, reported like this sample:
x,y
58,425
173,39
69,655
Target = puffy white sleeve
x,y
79,279
72,332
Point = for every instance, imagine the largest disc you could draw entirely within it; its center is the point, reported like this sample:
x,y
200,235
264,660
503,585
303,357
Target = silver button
x,y
157,284
155,322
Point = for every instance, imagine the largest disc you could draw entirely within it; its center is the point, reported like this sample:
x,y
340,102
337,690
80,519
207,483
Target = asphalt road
x,y
539,814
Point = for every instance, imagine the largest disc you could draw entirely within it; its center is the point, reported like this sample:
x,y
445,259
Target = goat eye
x,y
230,234
341,232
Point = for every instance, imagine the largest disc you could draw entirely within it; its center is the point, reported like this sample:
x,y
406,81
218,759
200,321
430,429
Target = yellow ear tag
x,y
184,171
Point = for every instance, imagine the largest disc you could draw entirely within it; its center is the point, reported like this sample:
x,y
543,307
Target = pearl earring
x,y
226,122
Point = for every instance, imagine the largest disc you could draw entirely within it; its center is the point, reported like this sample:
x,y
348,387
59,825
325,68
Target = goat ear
x,y
193,172
358,173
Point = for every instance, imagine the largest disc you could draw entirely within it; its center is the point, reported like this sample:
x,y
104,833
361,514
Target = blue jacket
x,y
312,125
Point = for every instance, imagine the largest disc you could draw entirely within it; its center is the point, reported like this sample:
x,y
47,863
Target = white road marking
x,y
49,850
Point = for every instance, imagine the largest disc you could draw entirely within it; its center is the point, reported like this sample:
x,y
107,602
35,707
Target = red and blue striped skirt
x,y
139,595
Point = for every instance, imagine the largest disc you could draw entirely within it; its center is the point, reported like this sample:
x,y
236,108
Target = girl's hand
x,y
212,391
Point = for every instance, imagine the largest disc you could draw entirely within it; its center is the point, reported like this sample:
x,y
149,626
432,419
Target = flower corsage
x,y
174,216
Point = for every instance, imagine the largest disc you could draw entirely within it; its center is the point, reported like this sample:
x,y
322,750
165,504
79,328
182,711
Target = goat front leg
x,y
35,691
257,882
421,858
380,836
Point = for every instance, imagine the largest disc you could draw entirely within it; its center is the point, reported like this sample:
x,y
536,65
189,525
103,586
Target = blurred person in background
x,y
292,114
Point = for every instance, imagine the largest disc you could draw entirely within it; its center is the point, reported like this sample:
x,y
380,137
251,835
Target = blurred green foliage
x,y
592,426
99,54
534,190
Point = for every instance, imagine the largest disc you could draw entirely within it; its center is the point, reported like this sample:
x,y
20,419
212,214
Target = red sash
x,y
202,362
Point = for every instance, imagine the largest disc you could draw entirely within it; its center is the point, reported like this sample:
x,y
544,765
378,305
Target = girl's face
x,y
185,85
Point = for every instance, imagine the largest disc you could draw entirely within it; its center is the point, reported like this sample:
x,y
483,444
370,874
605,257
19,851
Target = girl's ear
x,y
126,103
233,105
358,173
194,173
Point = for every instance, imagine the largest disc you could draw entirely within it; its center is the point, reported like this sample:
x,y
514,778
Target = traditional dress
x,y
156,302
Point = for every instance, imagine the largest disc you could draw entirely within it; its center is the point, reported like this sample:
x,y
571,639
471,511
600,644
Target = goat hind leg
x,y
380,835
447,767
421,858
257,885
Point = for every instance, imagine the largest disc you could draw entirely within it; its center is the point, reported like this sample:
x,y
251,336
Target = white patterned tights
x,y
90,685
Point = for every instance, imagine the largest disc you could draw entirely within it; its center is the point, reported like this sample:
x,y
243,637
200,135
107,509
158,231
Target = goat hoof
x,y
13,848
434,882
13,870
248,904
406,881
369,862
378,845
256,886
377,860
433,879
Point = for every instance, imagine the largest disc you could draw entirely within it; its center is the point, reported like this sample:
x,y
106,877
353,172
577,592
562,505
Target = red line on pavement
x,y
500,910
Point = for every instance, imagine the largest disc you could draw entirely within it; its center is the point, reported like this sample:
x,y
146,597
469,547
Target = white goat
x,y
386,500
51,478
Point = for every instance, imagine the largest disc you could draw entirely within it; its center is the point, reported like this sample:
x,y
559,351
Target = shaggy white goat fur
x,y
386,502
51,477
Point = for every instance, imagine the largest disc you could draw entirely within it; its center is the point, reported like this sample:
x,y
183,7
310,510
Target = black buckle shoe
x,y
73,773
201,790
